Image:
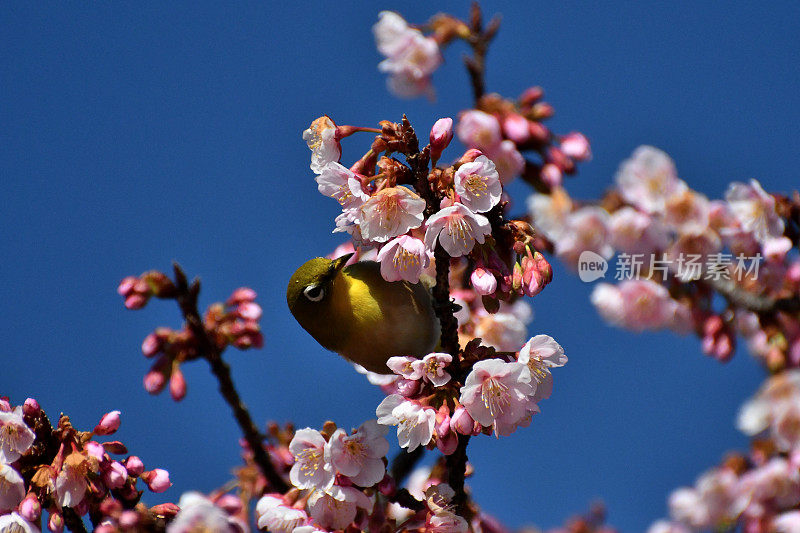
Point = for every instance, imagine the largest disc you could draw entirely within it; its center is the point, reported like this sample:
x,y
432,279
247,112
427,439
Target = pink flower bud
x,y
154,381
516,128
576,146
551,175
109,424
448,444
249,311
442,425
387,486
231,503
470,155
134,466
136,301
177,384
543,110
241,295
56,522
483,281
128,519
461,421
31,407
441,135
95,449
105,527
115,475
531,96
126,285
165,509
5,406
110,507
538,132
157,480
30,509
151,345
407,387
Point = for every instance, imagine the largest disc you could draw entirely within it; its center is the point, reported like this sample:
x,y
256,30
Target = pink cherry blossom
x,y
635,304
788,522
157,480
12,488
415,424
411,65
440,137
478,184
392,33
15,436
432,367
403,257
109,424
586,229
576,146
336,509
635,232
71,482
457,229
15,523
272,515
687,212
198,513
360,456
507,160
516,128
648,179
540,354
389,213
403,365
755,210
477,129
483,281
342,184
550,211
321,140
312,468
498,394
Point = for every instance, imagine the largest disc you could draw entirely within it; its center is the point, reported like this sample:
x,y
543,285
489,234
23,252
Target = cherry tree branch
x,y
187,300
479,40
756,303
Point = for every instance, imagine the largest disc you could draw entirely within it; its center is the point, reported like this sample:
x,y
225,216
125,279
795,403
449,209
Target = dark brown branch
x,y
443,306
738,297
72,521
456,470
404,498
479,40
187,299
404,462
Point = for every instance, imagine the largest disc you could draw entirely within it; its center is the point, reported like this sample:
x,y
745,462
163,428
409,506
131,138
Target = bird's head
x,y
309,286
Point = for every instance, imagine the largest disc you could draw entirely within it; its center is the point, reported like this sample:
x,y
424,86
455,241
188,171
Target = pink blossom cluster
x,y
431,408
234,323
760,491
330,472
677,249
411,57
61,470
219,512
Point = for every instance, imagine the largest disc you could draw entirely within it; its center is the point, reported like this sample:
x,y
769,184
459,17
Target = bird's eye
x,y
314,293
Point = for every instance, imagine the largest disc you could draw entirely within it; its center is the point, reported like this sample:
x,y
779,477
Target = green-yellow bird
x,y
353,311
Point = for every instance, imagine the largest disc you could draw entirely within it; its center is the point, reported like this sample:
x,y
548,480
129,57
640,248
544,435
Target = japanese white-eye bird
x,y
353,311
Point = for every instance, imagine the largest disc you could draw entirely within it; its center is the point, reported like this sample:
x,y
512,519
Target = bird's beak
x,y
339,263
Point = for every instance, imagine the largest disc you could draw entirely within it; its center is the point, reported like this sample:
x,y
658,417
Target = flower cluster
x,y
677,249
68,474
330,472
234,323
759,491
220,512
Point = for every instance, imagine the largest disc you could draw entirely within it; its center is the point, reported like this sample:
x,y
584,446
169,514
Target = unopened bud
x,y
516,128
461,421
231,503
165,510
134,466
387,486
56,522
441,135
128,519
241,295
531,96
177,384
448,444
30,509
538,132
115,475
542,111
157,480
109,424
551,175
470,155
483,281
31,407
151,345
576,146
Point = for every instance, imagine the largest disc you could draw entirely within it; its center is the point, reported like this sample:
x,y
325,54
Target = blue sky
x,y
134,135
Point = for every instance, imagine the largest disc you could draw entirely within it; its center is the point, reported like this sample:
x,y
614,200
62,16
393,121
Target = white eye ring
x,y
314,293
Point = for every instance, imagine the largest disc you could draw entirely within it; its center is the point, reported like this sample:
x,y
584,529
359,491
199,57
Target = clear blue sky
x,y
132,135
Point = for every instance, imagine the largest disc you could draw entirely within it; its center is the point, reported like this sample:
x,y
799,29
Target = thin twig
x,y
456,471
479,42
187,299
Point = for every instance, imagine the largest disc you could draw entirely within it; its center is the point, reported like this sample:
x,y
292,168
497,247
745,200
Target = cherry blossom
x,y
415,424
321,140
432,367
360,456
498,394
389,213
337,508
754,209
648,179
540,354
587,230
14,523
341,184
312,468
272,515
15,436
457,229
403,257
12,488
478,184
198,513
403,365
478,129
